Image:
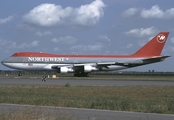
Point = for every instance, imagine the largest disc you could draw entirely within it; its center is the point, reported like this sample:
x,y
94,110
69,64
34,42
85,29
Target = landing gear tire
x,y
81,75
19,74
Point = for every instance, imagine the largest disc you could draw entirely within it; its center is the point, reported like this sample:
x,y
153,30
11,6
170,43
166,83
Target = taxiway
x,y
81,82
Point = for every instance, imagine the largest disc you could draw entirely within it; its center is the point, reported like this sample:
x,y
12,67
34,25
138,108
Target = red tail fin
x,y
154,46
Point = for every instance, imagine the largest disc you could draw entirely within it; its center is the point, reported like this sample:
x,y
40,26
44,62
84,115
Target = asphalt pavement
x,y
82,82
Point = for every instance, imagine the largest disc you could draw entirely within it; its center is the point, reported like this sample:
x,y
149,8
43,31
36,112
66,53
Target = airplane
x,y
82,65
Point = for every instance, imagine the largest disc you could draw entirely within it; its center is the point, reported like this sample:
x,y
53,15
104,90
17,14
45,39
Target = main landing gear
x,y
81,74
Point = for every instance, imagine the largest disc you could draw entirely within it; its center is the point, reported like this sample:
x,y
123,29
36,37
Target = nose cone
x,y
2,62
5,63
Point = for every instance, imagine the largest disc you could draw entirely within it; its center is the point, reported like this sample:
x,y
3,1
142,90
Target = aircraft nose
x,y
4,63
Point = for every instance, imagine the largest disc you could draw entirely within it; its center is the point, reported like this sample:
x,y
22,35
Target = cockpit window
x,y
15,54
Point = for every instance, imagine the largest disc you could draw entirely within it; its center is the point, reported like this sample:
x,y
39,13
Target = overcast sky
x,y
85,27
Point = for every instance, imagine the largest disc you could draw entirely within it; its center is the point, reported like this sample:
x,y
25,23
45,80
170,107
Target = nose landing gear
x,y
19,74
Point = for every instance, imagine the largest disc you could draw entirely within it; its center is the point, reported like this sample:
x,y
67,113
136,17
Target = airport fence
x,y
123,73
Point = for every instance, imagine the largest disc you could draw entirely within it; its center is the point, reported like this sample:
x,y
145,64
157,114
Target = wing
x,y
89,67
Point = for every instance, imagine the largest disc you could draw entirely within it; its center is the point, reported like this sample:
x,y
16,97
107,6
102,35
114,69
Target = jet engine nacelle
x,y
65,70
88,68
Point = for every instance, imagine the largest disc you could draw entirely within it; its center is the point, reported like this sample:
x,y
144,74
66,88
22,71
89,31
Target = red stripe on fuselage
x,y
40,54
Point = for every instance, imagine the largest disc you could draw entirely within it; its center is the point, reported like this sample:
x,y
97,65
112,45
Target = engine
x,y
65,70
88,68
85,69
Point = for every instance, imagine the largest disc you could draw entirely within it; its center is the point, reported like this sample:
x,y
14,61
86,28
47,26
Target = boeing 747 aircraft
x,y
81,65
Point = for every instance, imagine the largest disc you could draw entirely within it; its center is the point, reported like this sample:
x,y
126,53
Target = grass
x,y
151,99
34,113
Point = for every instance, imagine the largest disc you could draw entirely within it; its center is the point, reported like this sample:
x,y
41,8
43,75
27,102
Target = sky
x,y
86,27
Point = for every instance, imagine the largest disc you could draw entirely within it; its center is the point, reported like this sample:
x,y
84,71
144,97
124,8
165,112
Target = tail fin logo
x,y
161,38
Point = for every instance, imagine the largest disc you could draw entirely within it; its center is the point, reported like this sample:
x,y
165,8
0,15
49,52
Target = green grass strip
x,y
150,99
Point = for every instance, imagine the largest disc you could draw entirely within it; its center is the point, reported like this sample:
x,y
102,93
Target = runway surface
x,y
86,114
81,82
